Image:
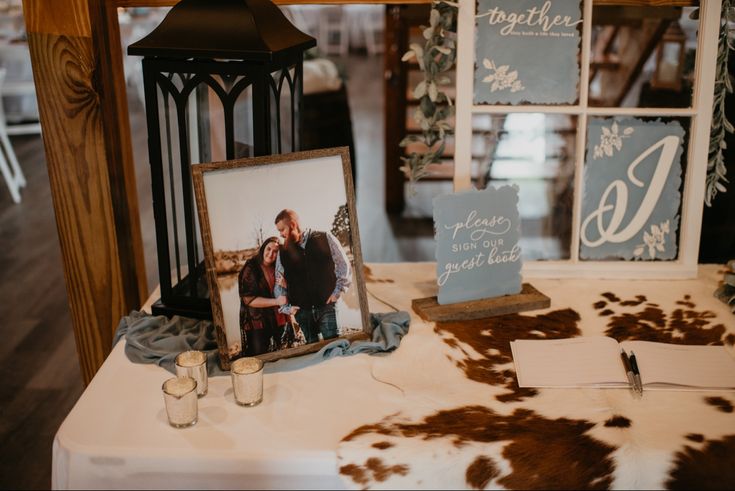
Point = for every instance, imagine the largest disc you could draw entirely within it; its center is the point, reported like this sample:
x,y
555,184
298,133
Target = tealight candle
x,y
247,381
193,364
180,397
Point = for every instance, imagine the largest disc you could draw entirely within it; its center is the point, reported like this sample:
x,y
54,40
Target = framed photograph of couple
x,y
282,253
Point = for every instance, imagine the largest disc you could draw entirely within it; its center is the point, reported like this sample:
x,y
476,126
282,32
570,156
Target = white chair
x,y
9,166
374,30
11,18
19,91
334,32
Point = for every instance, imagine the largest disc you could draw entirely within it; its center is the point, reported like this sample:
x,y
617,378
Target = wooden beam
x,y
649,3
170,3
118,147
635,45
87,141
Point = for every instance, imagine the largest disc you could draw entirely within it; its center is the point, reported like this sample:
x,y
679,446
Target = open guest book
x,y
594,361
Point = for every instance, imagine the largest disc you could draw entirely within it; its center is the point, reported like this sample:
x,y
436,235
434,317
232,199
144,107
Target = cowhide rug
x,y
466,424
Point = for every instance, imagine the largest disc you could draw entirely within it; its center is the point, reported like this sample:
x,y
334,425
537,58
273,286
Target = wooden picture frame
x,y
312,183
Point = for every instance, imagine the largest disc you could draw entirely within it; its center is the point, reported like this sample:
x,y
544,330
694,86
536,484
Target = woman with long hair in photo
x,y
261,325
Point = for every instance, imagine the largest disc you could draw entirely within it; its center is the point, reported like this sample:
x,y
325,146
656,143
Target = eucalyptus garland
x,y
435,58
726,292
438,55
716,169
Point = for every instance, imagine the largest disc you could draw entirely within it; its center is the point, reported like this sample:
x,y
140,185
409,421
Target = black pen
x,y
636,373
628,369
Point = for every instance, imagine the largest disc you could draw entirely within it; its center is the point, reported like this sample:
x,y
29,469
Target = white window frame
x,y
700,112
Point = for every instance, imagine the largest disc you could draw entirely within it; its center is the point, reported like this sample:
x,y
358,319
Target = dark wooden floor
x,y
39,373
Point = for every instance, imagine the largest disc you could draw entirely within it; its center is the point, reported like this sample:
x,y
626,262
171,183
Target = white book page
x,y
684,365
585,361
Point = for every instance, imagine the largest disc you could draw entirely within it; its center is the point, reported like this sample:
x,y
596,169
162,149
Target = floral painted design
x,y
611,140
653,241
500,78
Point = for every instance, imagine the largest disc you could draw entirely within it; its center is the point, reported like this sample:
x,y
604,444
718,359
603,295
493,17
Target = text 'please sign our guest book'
x,y
594,361
478,258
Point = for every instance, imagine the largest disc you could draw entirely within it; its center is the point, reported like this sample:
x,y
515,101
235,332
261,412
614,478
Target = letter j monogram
x,y
610,233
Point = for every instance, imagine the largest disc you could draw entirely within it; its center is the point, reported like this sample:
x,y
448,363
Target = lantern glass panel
x,y
243,115
192,130
283,98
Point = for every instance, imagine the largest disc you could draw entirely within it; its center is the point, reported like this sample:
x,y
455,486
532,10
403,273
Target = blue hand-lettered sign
x,y
527,51
477,250
631,195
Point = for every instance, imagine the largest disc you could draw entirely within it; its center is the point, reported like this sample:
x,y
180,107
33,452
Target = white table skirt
x,y
117,435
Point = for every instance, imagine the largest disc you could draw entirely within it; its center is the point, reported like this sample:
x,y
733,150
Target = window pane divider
x,y
496,109
581,137
641,111
592,111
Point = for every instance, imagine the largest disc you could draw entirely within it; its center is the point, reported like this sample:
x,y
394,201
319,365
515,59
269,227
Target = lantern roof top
x,y
248,30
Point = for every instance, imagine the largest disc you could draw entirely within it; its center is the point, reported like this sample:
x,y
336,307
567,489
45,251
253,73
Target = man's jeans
x,y
315,320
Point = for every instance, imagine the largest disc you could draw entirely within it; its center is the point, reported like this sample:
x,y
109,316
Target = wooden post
x,y
88,152
394,87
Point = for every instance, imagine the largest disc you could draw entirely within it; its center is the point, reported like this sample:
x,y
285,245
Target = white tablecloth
x,y
117,435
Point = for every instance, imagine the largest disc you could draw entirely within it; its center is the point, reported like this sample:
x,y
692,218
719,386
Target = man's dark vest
x,y
309,272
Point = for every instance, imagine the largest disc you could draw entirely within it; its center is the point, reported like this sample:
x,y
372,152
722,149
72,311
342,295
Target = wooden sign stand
x,y
528,299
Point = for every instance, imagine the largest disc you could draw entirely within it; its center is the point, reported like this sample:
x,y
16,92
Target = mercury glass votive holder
x,y
180,397
193,364
247,381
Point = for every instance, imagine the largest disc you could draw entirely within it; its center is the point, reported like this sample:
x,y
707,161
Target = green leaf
x,y
436,56
427,107
409,139
434,17
420,90
419,50
432,90
720,167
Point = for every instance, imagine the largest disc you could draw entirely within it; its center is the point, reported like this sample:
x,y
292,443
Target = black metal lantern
x,y
222,80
